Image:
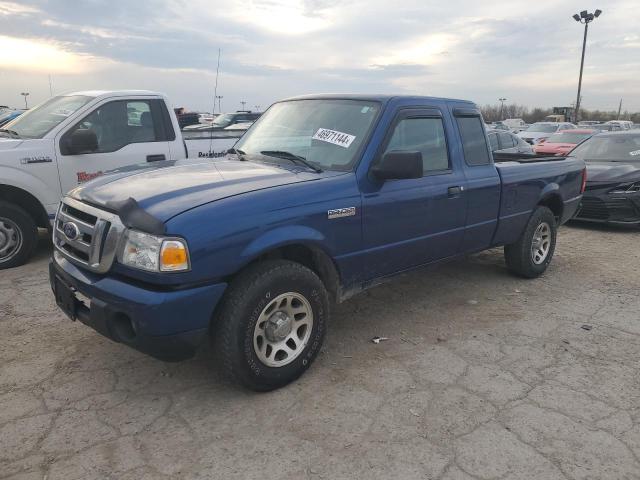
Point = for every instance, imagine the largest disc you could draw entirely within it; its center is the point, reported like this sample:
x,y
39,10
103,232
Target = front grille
x,y
613,209
92,238
593,208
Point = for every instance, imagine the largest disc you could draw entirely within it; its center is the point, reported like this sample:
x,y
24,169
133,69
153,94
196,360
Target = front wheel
x,y
18,235
271,324
530,256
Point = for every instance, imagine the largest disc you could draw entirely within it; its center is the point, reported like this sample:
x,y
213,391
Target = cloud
x,y
277,48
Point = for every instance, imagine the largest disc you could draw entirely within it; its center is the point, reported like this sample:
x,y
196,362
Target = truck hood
x,y
612,172
554,147
165,189
9,143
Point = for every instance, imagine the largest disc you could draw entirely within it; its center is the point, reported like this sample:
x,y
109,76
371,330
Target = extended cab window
x,y
122,122
424,135
506,140
493,141
474,141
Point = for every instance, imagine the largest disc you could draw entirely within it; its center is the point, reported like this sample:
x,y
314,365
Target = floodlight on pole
x,y
502,100
585,18
25,95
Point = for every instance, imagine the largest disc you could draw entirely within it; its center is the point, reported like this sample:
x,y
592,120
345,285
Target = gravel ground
x,y
484,376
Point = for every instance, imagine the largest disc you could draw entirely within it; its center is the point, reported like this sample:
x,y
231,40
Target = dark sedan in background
x,y
612,194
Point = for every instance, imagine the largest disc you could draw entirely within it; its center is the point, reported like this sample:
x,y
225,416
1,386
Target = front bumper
x,y
620,209
168,325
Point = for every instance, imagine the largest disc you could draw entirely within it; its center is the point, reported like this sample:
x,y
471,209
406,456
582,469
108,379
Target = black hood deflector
x,y
133,216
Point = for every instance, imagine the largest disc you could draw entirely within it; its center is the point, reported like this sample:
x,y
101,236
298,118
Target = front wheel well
x,y
553,203
27,202
311,257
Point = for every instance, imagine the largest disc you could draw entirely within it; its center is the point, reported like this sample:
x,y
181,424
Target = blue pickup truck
x,y
323,197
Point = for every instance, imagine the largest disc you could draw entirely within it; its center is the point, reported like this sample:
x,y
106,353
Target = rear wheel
x,y
530,256
271,324
18,235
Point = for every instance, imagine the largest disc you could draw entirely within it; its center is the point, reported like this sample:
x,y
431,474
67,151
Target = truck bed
x,y
526,181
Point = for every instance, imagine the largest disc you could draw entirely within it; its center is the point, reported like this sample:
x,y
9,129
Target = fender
x,y
549,190
280,237
15,177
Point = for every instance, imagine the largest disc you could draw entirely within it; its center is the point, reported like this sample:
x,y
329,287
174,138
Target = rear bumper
x,y
620,209
168,325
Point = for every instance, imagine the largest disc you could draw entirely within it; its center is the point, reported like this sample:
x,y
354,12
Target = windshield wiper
x,y
291,156
12,133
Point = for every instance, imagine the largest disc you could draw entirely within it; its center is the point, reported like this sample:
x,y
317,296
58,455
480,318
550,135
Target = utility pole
x,y
502,100
257,107
619,110
25,95
585,18
243,104
219,98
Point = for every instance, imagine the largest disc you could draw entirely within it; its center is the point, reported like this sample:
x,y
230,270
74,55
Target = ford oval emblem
x,y
71,230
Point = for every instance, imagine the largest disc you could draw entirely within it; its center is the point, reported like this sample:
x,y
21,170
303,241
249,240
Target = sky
x,y
525,51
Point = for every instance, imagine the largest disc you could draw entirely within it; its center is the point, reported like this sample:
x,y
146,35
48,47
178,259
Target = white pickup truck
x,y
72,138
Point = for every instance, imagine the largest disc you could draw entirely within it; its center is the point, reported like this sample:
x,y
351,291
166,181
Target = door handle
x,y
156,158
455,191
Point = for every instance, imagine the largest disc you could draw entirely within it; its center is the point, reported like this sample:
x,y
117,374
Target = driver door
x,y
127,132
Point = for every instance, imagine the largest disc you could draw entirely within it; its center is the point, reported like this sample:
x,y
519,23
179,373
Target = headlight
x,y
153,253
628,188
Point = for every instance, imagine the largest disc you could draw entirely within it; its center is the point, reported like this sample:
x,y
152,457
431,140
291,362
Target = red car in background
x,y
562,142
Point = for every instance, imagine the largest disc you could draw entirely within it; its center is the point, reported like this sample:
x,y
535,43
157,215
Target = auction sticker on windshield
x,y
331,136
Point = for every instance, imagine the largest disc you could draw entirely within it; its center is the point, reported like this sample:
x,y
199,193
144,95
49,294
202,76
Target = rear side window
x,y
506,140
493,141
474,141
424,135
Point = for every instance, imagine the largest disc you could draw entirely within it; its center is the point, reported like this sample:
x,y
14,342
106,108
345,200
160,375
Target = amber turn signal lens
x,y
173,256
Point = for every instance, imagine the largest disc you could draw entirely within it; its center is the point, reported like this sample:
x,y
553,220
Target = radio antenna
x,y
215,96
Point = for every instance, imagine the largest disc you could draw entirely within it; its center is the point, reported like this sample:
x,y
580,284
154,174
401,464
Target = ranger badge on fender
x,y
341,212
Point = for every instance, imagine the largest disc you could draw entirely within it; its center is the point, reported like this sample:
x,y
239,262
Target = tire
x,y
18,235
520,256
270,304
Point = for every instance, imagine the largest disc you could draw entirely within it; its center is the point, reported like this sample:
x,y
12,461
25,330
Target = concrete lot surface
x,y
484,376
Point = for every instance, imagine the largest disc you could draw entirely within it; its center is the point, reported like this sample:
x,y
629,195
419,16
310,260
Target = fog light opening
x,y
123,328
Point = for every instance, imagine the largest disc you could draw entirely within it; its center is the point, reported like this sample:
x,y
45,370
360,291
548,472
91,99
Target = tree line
x,y
492,113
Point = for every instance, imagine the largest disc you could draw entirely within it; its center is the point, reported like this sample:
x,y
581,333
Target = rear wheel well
x,y
553,203
27,202
311,257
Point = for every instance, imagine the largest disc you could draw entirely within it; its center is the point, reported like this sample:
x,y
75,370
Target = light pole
x,y
243,104
586,18
25,95
502,100
257,107
219,98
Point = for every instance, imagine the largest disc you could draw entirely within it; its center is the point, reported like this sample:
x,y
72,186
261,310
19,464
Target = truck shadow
x,y
603,227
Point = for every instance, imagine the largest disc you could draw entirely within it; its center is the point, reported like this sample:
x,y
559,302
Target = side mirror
x,y
83,141
399,165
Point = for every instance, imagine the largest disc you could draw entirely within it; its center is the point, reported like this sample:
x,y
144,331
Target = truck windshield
x,y
223,120
542,127
38,121
326,133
